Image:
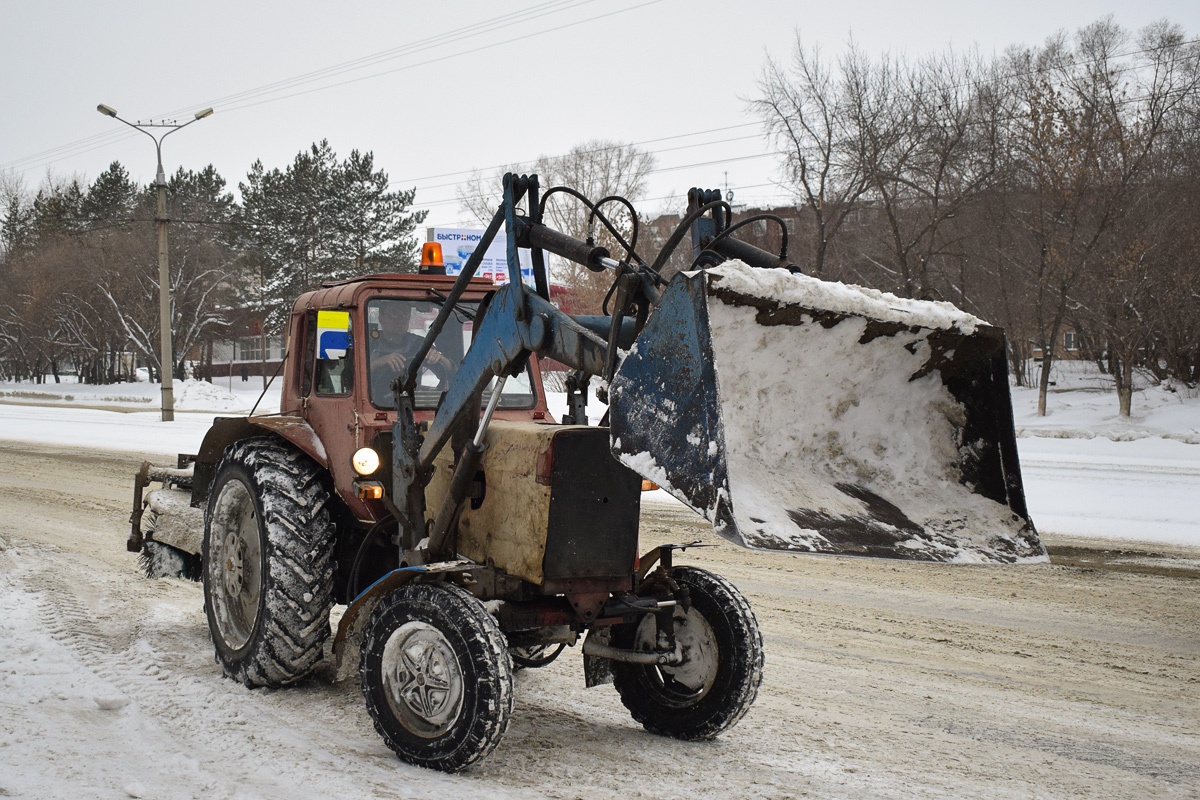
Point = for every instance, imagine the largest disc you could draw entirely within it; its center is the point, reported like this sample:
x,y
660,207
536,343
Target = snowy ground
x,y
1087,471
883,679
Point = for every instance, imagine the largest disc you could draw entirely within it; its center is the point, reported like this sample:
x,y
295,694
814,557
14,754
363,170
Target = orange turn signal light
x,y
649,486
369,490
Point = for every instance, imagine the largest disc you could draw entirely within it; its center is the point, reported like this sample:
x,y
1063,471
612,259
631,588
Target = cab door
x,y
328,392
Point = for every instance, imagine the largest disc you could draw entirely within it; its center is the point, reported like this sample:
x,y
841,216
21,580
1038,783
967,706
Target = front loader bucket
x,y
802,415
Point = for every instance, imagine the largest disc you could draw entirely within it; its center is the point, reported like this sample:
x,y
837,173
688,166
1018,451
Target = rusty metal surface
x,y
508,524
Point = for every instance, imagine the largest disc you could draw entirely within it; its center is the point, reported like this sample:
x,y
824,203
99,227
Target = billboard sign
x,y
459,243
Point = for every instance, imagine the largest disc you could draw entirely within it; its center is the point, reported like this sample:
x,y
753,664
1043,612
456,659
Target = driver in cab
x,y
395,341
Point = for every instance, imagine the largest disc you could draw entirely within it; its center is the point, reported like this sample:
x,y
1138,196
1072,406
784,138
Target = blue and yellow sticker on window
x,y
333,334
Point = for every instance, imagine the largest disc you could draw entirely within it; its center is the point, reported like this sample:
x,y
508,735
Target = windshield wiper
x,y
467,311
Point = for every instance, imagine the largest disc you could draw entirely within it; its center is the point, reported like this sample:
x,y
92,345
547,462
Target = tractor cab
x,y
354,338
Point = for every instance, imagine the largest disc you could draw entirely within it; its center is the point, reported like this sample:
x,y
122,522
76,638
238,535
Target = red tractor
x,y
298,518
414,475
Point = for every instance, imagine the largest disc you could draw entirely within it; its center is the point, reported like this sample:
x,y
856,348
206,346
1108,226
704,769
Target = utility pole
x,y
166,351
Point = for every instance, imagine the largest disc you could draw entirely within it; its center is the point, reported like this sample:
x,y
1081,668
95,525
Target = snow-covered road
x,y
1146,489
883,679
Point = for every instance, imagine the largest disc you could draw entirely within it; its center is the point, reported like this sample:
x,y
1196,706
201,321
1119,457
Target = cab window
x,y
334,353
335,377
396,329
310,352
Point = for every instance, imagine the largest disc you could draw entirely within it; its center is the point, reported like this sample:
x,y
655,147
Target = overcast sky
x,y
453,86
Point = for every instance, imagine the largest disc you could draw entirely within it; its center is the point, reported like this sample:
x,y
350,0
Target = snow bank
x,y
193,395
1087,413
190,395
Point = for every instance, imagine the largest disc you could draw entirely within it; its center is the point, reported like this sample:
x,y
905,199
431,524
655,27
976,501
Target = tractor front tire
x,y
722,668
268,563
436,676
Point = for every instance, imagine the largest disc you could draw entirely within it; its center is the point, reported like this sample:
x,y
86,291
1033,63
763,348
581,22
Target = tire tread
x,y
295,503
487,651
739,674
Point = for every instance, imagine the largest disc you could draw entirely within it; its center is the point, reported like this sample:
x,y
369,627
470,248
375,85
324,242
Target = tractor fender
x,y
348,642
227,430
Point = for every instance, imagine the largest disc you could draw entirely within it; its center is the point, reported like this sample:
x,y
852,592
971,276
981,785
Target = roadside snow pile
x,y
1082,405
70,392
237,397
193,395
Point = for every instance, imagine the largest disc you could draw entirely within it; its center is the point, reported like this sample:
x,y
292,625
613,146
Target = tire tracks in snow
x,y
205,720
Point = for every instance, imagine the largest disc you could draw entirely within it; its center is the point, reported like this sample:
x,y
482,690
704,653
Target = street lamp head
x,y
202,114
106,111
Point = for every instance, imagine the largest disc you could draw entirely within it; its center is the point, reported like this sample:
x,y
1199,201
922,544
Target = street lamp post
x,y
166,354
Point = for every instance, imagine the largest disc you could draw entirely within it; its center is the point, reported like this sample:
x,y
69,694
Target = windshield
x,y
395,331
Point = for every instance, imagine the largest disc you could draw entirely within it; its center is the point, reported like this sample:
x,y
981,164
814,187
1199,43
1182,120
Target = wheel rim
x,y
690,680
235,564
422,679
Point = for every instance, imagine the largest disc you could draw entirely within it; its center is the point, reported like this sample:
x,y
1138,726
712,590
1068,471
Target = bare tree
x,y
1133,276
1087,136
927,137
598,169
806,113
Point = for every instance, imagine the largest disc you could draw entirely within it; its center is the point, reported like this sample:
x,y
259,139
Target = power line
x,y
996,120
550,7
659,170
739,188
418,45
439,39
1080,63
444,58
73,148
487,26
590,152
495,23
585,152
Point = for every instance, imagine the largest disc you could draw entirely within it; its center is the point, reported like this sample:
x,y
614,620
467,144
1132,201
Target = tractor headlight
x,y
365,461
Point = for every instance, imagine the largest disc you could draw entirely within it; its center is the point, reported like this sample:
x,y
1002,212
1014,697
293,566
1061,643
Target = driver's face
x,y
394,316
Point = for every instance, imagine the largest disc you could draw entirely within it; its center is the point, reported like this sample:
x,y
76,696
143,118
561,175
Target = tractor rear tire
x,y
722,669
436,676
268,563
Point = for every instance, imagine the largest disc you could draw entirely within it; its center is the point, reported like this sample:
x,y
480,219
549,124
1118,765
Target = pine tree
x,y
111,197
320,220
202,260
16,232
372,221
57,208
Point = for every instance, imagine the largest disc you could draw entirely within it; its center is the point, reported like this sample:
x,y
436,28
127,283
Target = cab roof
x,y
349,292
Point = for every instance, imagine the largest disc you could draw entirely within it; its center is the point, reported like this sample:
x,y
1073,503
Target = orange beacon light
x,y
431,259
